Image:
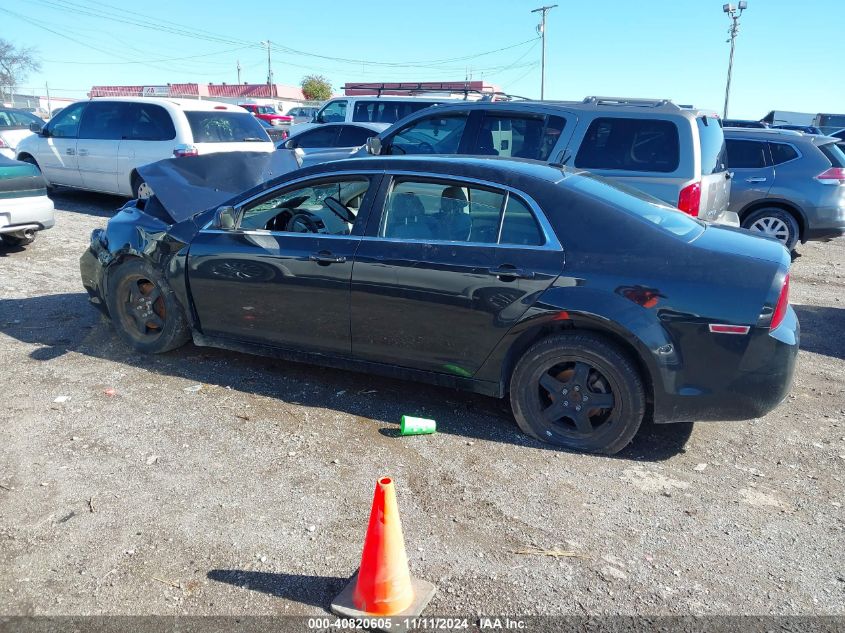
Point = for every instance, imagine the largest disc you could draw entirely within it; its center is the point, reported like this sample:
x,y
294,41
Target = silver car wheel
x,y
144,191
772,227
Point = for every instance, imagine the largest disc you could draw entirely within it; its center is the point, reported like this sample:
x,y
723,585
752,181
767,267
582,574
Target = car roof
x,y
493,167
182,104
779,134
636,107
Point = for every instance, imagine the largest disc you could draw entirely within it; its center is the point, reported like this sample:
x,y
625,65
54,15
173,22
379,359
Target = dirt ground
x,y
250,494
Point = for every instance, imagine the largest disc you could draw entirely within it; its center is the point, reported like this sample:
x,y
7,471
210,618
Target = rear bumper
x,y
26,212
759,384
727,218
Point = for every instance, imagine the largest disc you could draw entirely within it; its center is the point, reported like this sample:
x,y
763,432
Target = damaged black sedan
x,y
588,306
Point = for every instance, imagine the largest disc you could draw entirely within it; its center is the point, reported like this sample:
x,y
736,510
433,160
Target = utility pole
x,y
49,106
269,63
541,29
734,11
239,72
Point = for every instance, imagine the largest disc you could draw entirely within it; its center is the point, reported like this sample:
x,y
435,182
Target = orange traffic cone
x,y
383,586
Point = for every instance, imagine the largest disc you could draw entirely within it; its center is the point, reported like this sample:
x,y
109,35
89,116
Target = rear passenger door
x,y
150,136
535,136
753,174
444,271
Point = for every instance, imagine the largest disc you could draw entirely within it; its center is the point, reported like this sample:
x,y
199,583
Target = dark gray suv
x,y
787,185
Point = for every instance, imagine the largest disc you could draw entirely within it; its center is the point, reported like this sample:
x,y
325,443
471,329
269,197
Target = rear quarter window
x,y
649,145
714,156
833,152
225,127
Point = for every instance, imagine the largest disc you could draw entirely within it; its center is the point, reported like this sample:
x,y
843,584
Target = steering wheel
x,y
302,223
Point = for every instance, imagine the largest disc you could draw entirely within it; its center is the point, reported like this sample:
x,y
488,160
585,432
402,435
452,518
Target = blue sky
x,y
788,53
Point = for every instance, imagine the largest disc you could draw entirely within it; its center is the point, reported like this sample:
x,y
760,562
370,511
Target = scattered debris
x,y
167,582
335,461
61,399
67,517
6,488
152,459
311,528
609,572
44,484
91,507
242,416
75,438
700,467
554,553
192,389
411,425
111,391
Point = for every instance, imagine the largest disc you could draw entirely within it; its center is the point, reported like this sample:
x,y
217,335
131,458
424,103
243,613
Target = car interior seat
x,y
407,218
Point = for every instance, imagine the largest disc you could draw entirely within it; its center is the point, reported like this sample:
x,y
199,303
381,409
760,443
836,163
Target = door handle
x,y
70,151
325,258
83,152
755,179
506,270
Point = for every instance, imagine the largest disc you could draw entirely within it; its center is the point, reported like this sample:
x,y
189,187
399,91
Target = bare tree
x,y
15,65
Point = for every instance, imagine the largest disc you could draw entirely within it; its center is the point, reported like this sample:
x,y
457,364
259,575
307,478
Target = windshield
x,y
638,203
225,127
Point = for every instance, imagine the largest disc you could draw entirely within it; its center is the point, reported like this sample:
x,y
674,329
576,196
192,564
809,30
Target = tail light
x,y
689,200
832,176
782,305
3,143
180,151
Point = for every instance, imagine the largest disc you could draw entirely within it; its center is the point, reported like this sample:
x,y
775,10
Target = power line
x,y
151,61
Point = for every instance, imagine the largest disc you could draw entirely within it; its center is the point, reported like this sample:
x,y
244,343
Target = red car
x,y
267,113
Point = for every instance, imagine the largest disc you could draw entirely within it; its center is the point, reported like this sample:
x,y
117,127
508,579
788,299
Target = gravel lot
x,y
251,494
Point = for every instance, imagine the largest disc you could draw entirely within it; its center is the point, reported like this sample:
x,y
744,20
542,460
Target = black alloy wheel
x,y
580,391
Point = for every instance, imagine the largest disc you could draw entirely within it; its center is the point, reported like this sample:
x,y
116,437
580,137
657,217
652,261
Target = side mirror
x,y
374,145
291,144
36,127
224,218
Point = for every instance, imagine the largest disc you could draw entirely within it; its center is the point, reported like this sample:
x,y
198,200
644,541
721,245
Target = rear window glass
x,y
387,111
637,203
746,154
834,154
714,156
13,118
781,152
630,145
225,127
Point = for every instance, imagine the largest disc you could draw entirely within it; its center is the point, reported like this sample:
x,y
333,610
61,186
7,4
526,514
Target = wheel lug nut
x,y
565,391
585,398
566,403
578,407
577,388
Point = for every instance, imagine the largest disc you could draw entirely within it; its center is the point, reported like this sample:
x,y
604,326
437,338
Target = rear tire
x,y
579,391
140,189
774,222
144,309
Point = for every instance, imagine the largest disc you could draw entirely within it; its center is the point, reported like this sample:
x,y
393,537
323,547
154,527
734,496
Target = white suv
x,y
99,144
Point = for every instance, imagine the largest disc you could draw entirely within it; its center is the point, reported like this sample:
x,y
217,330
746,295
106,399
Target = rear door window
x,y
213,126
431,135
650,145
386,111
714,154
518,136
519,226
747,154
150,122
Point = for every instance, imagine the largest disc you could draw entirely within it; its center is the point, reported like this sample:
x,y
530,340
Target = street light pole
x,y
269,66
542,28
734,11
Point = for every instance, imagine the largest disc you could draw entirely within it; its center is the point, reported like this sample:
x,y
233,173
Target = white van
x,y
99,144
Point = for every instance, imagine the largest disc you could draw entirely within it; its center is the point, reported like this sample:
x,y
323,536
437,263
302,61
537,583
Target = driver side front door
x,y
282,276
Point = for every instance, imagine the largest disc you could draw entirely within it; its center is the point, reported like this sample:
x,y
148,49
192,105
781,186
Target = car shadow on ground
x,y
821,329
6,249
60,323
313,590
100,205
